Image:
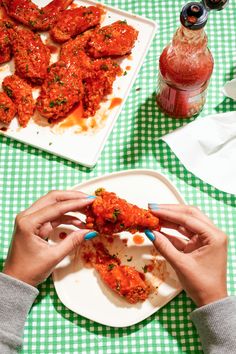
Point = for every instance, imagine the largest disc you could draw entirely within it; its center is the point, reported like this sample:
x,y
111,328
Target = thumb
x,y
72,242
165,247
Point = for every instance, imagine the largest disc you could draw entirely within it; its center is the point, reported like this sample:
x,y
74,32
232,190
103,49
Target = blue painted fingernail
x,y
150,235
91,197
90,235
153,206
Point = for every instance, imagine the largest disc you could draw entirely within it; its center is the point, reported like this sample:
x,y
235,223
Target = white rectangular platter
x,y
81,290
85,147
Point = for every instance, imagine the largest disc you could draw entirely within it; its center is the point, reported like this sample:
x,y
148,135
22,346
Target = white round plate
x,y
80,288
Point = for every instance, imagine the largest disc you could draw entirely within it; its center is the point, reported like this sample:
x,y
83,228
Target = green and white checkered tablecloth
x,y
26,173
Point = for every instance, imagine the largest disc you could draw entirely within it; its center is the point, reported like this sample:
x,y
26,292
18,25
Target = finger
x,y
186,209
164,246
65,219
71,243
57,210
177,242
179,228
53,197
191,223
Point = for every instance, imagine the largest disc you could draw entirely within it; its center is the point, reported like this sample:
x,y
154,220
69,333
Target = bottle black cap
x,y
194,15
215,4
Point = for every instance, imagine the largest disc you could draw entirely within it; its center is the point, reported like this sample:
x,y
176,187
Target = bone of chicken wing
x,y
61,90
124,280
31,55
109,214
5,45
70,23
114,40
21,94
29,14
7,109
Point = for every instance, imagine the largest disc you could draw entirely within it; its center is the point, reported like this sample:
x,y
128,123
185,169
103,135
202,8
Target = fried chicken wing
x,y
5,45
124,280
21,94
7,109
70,23
114,40
61,91
98,84
109,214
98,75
27,13
31,55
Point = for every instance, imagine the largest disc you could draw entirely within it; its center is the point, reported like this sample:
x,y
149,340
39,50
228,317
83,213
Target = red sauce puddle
x,y
116,101
138,239
75,118
53,49
128,67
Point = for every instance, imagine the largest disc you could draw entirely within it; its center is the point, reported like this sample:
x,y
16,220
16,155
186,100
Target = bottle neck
x,y
193,39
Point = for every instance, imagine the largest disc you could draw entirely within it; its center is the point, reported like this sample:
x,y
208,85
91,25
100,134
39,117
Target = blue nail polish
x,y
153,206
91,197
150,235
90,235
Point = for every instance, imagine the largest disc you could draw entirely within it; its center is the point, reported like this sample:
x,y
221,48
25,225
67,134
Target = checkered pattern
x,y
26,174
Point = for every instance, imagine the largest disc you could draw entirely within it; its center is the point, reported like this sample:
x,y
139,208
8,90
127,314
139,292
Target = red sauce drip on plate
x,y
53,49
116,101
138,239
128,67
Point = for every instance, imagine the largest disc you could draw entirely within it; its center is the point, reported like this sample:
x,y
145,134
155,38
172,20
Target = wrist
x,y
207,299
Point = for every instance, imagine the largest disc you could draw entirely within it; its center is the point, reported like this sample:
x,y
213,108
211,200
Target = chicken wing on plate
x,y
72,22
29,14
124,280
31,55
7,109
5,45
114,40
61,90
21,94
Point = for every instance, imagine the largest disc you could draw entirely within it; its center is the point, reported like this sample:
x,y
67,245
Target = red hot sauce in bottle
x,y
185,66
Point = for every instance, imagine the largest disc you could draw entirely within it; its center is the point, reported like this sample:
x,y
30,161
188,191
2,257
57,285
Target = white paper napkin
x,y
207,148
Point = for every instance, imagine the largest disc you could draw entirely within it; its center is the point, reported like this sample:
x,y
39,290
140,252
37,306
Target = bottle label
x,y
180,103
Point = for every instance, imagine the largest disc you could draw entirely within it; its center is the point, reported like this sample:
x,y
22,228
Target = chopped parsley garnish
x,y
58,79
32,23
125,73
104,67
4,108
8,91
118,285
27,68
122,225
108,36
116,212
98,191
124,21
145,269
110,266
57,102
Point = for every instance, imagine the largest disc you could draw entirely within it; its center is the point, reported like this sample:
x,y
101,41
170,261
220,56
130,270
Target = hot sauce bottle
x,y
186,64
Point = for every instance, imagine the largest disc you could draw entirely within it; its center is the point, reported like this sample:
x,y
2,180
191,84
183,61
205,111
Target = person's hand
x,y
199,259
31,258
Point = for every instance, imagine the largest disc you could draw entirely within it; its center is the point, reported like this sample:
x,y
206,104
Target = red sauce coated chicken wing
x,y
70,23
7,109
109,214
124,280
114,40
29,14
31,55
5,45
21,94
61,91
